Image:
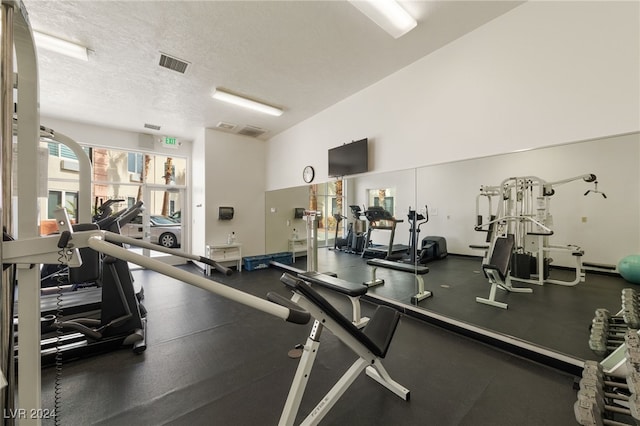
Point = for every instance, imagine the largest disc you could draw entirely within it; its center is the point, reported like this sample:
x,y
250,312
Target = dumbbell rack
x,y
609,391
608,332
609,400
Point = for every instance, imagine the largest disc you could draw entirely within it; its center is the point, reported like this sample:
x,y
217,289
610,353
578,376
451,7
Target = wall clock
x,y
308,174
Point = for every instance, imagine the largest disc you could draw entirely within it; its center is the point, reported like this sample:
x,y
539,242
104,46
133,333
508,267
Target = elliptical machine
x,y
357,231
340,244
431,247
414,233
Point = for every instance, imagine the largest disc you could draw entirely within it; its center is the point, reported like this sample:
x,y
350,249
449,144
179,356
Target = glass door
x,y
327,198
160,223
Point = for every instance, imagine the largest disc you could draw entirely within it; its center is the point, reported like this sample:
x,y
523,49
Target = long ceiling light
x,y
221,95
388,15
63,47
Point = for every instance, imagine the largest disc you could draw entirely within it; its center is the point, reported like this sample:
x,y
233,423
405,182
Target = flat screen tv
x,y
349,159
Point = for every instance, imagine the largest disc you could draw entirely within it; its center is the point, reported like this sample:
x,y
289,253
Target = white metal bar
x,y
28,135
6,284
97,243
378,373
299,384
358,320
330,399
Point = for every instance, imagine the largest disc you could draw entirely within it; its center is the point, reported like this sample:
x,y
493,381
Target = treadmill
x,y
382,220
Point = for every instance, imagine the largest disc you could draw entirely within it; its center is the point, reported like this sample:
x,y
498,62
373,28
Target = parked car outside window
x,y
164,230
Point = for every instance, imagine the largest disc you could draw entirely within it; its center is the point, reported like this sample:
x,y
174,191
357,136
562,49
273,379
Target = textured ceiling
x,y
303,56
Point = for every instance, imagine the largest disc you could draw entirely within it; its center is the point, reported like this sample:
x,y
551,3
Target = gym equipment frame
x,y
523,211
370,345
65,247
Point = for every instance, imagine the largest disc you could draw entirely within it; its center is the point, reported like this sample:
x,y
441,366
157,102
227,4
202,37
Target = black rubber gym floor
x,y
553,316
210,361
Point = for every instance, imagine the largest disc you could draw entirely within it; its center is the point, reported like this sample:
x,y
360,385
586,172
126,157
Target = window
x,y
135,162
170,178
383,198
59,150
54,202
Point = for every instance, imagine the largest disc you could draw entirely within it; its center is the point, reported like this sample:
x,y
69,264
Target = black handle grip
x,y
216,265
289,280
65,237
297,314
541,233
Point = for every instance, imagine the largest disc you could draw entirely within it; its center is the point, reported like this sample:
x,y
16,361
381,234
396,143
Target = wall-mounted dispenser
x,y
225,213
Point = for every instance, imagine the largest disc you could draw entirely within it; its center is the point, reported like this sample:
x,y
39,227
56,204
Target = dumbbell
x,y
615,392
590,398
629,315
633,380
587,412
593,369
603,315
591,411
630,307
630,294
632,351
611,387
602,339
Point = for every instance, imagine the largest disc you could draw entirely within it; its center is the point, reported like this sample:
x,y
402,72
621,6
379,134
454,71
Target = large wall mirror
x,y
603,221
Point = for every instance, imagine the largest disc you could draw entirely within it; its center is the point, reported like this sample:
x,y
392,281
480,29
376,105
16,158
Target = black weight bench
x,y
350,289
497,271
371,346
417,270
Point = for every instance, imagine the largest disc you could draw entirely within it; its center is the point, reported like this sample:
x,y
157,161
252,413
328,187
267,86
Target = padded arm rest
x,y
336,284
297,315
399,266
478,247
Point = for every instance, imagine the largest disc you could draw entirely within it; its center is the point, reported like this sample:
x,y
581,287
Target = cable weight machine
x,y
523,210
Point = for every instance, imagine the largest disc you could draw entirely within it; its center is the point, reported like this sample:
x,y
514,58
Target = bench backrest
x,y
501,256
381,326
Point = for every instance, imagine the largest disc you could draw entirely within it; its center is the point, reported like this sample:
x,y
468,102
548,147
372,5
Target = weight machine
x,y
523,214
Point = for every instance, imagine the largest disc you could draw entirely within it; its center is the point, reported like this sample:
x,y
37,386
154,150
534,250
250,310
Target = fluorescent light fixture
x,y
63,47
221,95
388,15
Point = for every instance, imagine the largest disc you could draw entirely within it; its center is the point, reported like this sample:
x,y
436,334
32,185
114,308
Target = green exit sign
x,y
170,142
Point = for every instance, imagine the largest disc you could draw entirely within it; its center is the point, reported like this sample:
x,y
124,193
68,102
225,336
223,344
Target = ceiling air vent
x,y
252,131
173,64
226,126
151,126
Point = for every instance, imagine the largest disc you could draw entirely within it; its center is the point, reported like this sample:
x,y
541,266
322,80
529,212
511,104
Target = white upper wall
x,y
545,73
108,137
